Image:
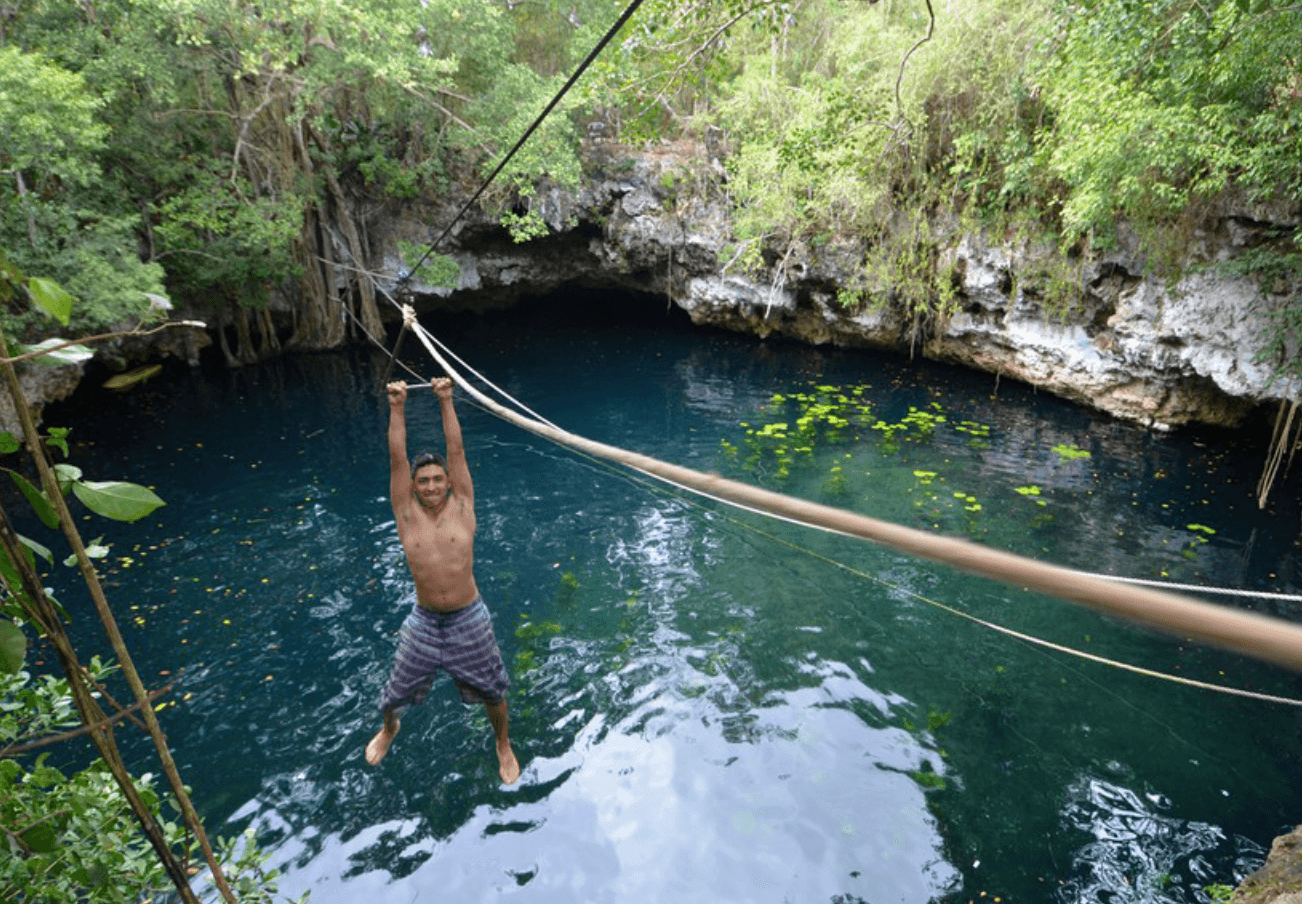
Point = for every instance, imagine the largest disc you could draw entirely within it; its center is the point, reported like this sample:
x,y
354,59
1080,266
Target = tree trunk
x,y
244,352
356,274
267,331
321,324
231,361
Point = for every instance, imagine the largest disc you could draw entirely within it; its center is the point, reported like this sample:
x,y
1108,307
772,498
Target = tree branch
x,y
195,324
46,741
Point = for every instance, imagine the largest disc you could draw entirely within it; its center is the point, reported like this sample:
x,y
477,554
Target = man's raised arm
x,y
399,469
458,467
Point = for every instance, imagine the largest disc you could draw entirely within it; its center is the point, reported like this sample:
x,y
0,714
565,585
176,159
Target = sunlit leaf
x,y
51,298
116,499
9,443
13,647
54,352
66,475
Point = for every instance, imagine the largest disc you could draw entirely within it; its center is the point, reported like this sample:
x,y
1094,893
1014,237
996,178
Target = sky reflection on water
x,y
661,807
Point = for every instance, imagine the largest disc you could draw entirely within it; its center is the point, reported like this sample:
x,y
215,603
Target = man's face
x,y
431,486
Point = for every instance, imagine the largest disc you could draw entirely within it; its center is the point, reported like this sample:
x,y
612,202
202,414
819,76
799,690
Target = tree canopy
x,y
220,151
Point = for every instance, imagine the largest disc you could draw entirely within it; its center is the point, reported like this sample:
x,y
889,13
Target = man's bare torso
x,y
440,548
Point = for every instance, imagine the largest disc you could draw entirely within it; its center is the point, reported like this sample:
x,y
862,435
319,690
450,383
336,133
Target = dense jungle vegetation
x,y
214,152
203,150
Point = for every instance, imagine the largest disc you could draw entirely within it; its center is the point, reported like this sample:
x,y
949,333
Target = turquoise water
x,y
709,706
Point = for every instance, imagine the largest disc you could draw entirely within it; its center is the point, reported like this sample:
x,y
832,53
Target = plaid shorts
x,y
461,642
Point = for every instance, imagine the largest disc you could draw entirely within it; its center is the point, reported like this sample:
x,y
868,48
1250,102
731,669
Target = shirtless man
x,y
449,626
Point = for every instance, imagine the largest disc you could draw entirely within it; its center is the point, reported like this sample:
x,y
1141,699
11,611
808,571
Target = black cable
x,y
601,45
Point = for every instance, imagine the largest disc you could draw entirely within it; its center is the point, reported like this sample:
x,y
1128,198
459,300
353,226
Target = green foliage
x,y
217,232
1157,105
437,269
524,227
548,158
53,217
48,130
1070,452
838,136
244,864
68,838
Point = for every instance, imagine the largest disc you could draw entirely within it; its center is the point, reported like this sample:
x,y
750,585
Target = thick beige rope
x,y
1259,636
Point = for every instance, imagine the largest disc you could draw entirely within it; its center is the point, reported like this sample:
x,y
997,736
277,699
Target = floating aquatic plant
x,y
1070,451
1201,535
1030,492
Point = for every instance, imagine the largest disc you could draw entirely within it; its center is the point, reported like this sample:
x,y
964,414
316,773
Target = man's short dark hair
x,y
427,458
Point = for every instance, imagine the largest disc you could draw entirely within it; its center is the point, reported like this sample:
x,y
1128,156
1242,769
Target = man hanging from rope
x,y
449,626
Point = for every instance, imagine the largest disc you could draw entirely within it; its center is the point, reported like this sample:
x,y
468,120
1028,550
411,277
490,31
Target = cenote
x,y
709,706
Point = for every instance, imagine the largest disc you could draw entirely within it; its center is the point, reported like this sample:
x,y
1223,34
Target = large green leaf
x,y
41,838
42,506
51,298
12,605
40,549
13,647
116,499
9,442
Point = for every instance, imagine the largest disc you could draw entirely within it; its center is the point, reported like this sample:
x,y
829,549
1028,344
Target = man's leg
x,y
508,767
379,745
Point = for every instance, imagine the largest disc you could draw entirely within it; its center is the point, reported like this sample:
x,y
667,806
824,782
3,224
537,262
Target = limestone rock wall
x,y
1135,346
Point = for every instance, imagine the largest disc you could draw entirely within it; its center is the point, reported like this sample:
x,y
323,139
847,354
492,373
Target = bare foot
x,y
508,767
379,745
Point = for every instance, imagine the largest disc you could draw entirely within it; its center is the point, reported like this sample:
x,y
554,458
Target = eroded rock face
x,y
1140,349
1279,881
1131,345
40,385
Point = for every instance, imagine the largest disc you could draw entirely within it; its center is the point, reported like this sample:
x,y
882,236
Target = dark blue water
x,y
709,706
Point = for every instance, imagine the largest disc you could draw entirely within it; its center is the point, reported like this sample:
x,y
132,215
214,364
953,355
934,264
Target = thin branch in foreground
x,y
194,324
46,741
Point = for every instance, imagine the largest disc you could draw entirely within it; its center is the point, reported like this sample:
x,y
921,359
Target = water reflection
x,y
1138,852
812,805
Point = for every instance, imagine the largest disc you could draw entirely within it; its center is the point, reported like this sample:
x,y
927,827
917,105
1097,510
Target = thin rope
x,y
601,45
952,610
1039,641
1224,591
1267,638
